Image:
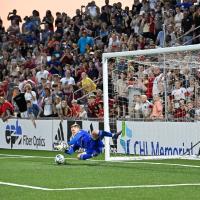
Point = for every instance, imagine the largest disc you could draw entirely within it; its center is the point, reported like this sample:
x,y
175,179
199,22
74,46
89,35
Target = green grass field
x,y
38,177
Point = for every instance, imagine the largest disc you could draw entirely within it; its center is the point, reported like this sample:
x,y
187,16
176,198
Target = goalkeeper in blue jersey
x,y
91,143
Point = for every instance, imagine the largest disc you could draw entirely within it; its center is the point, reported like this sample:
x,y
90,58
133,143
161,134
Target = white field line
x,y
126,162
4,157
100,187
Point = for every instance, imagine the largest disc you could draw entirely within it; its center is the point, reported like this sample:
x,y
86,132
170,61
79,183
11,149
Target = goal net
x,y
153,97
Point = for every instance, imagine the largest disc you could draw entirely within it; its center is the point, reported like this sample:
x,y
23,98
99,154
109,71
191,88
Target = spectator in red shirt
x,y
100,112
76,109
6,109
2,92
99,96
150,85
92,106
179,111
65,109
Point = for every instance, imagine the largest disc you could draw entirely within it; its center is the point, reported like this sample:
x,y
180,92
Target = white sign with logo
x,y
90,125
21,134
59,130
158,138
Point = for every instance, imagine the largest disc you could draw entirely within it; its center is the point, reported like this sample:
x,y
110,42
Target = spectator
x,y
68,79
87,84
6,109
83,113
13,29
75,109
56,91
157,111
135,89
92,72
92,110
42,73
66,110
179,110
158,78
13,16
190,114
2,91
19,102
121,89
100,112
68,93
47,103
85,42
2,29
179,92
196,21
67,57
58,107
187,27
178,17
191,89
137,107
92,10
149,85
146,107
114,43
49,19
33,111
197,110
30,95
114,27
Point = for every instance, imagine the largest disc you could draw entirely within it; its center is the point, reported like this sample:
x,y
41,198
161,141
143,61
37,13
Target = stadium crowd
x,y
54,62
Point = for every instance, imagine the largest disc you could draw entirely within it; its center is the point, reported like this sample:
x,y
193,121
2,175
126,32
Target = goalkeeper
x,y
91,143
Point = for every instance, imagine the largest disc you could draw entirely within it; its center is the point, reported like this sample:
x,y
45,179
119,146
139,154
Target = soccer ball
x,y
59,159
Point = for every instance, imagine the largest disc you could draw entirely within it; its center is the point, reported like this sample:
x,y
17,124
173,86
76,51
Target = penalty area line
x,y
100,187
121,162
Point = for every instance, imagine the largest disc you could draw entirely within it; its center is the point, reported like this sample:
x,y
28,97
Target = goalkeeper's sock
x,y
116,135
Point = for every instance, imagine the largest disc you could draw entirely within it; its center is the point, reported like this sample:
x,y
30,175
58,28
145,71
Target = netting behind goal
x,y
152,97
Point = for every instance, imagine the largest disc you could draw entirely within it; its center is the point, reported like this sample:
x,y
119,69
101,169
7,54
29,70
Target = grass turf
x,y
43,172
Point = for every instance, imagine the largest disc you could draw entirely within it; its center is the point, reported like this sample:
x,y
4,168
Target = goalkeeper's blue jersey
x,y
84,140
81,139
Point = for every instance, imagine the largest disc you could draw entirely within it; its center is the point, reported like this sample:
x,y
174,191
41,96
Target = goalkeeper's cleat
x,y
116,135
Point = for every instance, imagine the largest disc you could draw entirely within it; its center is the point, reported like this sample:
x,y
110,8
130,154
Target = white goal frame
x,y
105,58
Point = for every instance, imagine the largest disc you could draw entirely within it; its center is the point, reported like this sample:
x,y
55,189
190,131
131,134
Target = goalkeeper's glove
x,y
61,147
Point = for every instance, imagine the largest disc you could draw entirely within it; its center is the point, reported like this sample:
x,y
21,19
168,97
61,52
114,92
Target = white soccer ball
x,y
59,159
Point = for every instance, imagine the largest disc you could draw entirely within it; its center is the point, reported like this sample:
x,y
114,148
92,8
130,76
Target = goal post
x,y
106,107
128,55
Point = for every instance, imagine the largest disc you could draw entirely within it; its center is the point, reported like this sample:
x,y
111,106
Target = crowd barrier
x,y
142,138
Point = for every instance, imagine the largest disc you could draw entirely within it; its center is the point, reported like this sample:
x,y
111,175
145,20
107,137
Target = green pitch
x,y
38,177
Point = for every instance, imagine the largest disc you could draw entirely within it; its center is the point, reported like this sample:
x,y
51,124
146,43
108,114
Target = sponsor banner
x,y
59,130
21,134
158,138
90,125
